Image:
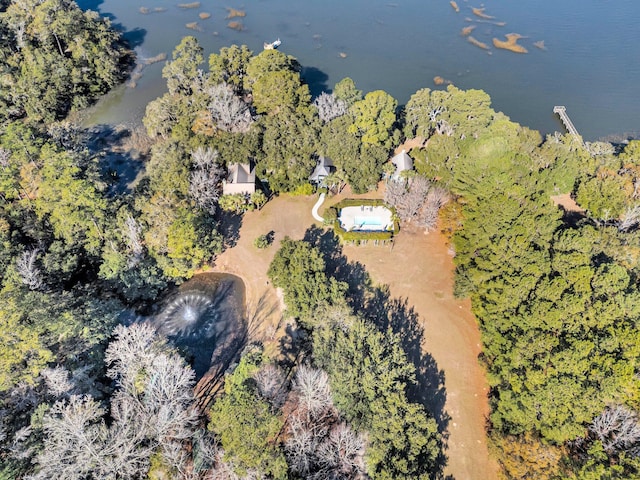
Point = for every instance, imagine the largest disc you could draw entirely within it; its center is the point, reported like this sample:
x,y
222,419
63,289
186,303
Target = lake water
x,y
589,63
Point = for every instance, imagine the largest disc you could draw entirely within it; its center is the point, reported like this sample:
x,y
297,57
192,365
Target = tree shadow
x,y
90,4
316,79
337,265
232,334
135,37
294,346
229,227
121,164
271,236
258,313
376,305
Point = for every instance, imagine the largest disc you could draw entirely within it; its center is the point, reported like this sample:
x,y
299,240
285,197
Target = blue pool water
x,y
368,221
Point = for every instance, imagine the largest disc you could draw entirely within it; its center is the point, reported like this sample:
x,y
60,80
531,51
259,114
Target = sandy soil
x,y
567,203
418,268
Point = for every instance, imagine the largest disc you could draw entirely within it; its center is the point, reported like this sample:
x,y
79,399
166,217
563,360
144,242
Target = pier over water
x,y
562,111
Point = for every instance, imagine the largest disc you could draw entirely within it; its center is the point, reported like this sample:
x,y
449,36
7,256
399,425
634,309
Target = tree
x,y
23,355
329,106
360,163
298,268
289,145
374,118
56,58
346,91
369,374
68,199
182,73
279,91
230,67
246,425
527,457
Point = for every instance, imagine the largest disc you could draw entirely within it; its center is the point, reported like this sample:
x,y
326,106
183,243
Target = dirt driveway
x,y
418,268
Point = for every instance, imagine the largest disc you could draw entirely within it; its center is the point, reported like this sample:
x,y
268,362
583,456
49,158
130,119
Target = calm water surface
x,y
590,61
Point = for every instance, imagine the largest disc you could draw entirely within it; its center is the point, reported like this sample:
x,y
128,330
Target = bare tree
x,y
301,445
342,453
617,428
272,384
57,381
132,351
205,179
339,315
329,107
152,410
5,157
417,200
225,470
74,440
28,270
312,387
436,199
319,446
228,112
630,218
407,197
133,236
444,128
434,112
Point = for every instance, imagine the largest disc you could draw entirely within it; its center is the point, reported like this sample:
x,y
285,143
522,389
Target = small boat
x,y
272,45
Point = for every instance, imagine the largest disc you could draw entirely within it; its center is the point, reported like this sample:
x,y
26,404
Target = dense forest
x,y
555,292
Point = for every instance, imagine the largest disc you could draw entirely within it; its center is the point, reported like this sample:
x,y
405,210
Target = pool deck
x,y
381,215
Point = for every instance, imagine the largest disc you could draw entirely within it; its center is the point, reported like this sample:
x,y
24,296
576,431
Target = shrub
x,y
304,189
262,241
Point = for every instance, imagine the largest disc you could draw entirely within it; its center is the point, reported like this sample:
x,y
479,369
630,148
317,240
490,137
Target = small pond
x,y
202,316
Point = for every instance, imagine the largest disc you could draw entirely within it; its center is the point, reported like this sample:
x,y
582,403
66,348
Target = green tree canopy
x,y
374,118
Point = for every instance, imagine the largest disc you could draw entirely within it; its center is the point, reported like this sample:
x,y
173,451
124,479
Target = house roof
x,y
241,173
241,179
402,161
323,168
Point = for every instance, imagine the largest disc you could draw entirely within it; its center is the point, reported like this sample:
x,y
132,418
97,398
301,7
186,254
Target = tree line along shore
x,y
555,292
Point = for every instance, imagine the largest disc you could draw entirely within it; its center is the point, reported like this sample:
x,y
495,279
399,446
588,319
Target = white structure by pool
x,y
365,218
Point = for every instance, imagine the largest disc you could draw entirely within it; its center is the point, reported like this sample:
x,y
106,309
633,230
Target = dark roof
x,y
323,168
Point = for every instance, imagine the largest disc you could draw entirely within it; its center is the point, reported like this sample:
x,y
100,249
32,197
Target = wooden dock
x,y
562,111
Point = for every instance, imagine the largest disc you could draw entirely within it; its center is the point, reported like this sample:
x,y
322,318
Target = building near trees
x,y
323,169
241,179
403,163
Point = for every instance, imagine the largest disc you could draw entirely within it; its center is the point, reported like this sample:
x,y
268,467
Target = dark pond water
x,y
589,59
201,315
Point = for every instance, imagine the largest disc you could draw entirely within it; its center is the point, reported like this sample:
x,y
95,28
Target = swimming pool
x,y
367,221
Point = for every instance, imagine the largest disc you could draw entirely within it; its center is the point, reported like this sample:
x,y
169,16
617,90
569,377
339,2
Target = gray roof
x,y
324,167
402,161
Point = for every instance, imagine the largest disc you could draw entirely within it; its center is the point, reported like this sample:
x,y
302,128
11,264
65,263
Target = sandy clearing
x,y
419,268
